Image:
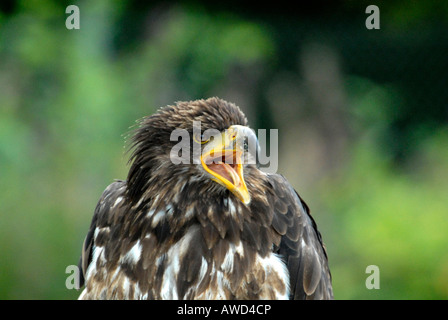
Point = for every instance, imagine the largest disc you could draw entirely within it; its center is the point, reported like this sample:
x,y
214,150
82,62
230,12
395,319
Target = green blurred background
x,y
362,118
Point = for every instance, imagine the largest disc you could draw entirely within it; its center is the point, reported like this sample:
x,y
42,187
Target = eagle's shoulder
x,y
301,244
105,215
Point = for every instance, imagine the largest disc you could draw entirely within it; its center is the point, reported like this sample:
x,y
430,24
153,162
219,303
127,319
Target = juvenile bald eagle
x,y
201,229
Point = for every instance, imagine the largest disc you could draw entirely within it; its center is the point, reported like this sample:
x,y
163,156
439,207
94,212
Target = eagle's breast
x,y
188,268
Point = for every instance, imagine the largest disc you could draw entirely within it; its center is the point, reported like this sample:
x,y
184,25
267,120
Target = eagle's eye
x,y
201,138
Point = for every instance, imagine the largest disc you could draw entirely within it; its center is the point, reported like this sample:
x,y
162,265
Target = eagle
x,y
210,225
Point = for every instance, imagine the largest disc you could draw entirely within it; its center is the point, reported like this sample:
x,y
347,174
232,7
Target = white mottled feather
x,y
133,255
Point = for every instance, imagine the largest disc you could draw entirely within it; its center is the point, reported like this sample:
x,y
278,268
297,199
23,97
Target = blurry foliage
x,y
66,106
395,220
69,98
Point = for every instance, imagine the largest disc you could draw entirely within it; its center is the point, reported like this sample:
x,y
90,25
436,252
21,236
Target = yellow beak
x,y
224,161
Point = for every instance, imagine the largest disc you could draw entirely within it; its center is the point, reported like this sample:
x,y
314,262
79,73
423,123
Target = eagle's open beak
x,y
224,161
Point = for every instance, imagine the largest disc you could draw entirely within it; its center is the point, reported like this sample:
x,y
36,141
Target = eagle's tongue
x,y
226,171
224,165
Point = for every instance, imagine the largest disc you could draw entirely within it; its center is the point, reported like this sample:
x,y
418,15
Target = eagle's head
x,y
204,144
